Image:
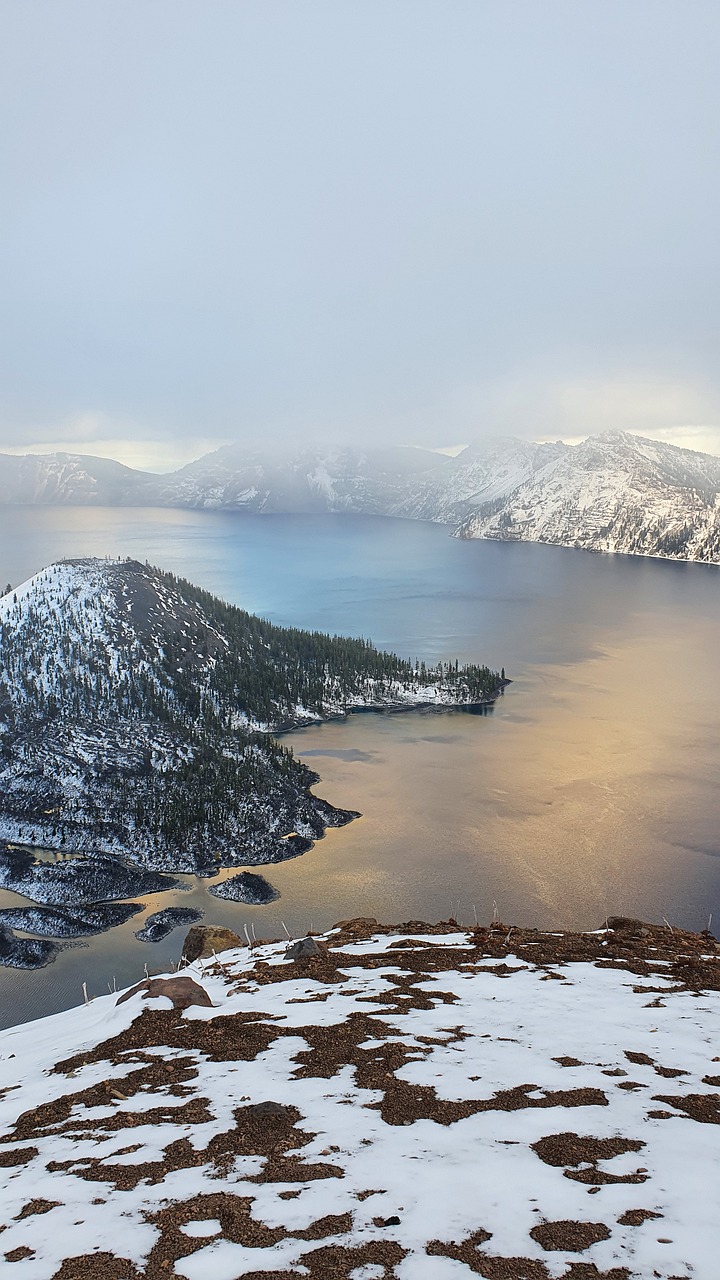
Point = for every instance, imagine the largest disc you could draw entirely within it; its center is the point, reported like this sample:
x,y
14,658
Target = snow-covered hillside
x,y
615,492
134,709
373,481
484,472
416,1103
73,479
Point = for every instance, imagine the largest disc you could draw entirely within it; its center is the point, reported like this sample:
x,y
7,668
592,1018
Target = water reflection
x,y
590,790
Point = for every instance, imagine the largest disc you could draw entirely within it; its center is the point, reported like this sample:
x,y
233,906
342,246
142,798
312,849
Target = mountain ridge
x,y
614,492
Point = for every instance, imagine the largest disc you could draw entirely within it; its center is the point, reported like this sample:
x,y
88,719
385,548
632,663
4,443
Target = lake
x,y
590,789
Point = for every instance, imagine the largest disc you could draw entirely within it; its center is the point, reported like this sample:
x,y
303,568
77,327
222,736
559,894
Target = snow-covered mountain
x,y
483,472
74,479
375,481
614,492
135,711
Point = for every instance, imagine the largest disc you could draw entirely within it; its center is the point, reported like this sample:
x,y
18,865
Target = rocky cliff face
x,y
615,492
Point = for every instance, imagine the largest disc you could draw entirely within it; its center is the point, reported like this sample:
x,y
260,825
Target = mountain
x,y
614,492
376,1102
74,479
374,481
483,472
135,713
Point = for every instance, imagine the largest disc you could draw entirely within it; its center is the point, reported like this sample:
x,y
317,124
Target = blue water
x,y
590,789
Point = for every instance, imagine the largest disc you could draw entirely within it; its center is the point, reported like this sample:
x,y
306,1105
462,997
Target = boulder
x,y
181,991
303,948
205,940
364,925
626,924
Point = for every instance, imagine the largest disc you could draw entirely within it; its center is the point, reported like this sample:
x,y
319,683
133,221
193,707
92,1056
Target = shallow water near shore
x,y
589,789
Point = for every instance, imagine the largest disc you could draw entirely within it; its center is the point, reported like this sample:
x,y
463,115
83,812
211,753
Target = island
x,y
137,714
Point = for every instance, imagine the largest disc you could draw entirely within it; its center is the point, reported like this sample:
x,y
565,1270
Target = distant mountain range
x,y
613,492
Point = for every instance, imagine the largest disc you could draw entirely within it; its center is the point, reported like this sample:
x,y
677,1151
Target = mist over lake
x,y
590,789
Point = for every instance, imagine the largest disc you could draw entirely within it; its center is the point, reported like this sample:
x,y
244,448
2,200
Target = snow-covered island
x,y
409,1103
136,714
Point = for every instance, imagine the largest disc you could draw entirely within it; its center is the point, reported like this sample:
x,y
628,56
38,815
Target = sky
x,y
409,221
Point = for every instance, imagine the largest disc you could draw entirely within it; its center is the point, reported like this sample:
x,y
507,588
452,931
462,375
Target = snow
x,y
464,1034
613,492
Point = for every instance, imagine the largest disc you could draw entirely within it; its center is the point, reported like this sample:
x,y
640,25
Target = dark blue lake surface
x,y
590,789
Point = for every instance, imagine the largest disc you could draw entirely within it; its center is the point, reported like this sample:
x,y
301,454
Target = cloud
x,y
268,221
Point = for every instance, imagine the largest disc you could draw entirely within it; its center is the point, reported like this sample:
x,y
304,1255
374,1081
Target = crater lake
x,y
589,789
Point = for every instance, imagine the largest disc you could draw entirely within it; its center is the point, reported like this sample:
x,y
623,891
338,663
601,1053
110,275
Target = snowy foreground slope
x,y
424,1103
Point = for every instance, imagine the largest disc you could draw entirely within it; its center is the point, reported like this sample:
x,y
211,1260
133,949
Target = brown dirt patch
x,y
495,1268
235,1037
11,1159
261,1129
36,1207
336,1263
568,1236
639,1059
18,1255
636,1217
703,1107
571,1150
98,1266
461,1251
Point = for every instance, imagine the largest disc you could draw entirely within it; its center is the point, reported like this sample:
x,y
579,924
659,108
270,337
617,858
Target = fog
x,y
415,221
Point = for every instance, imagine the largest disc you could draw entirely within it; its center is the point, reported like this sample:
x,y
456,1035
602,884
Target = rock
x,y
264,1109
181,991
205,940
623,924
302,949
359,924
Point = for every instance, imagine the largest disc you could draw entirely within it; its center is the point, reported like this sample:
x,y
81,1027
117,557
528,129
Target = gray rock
x,y
302,948
264,1109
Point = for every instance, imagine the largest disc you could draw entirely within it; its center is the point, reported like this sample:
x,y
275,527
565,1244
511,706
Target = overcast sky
x,y
413,220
